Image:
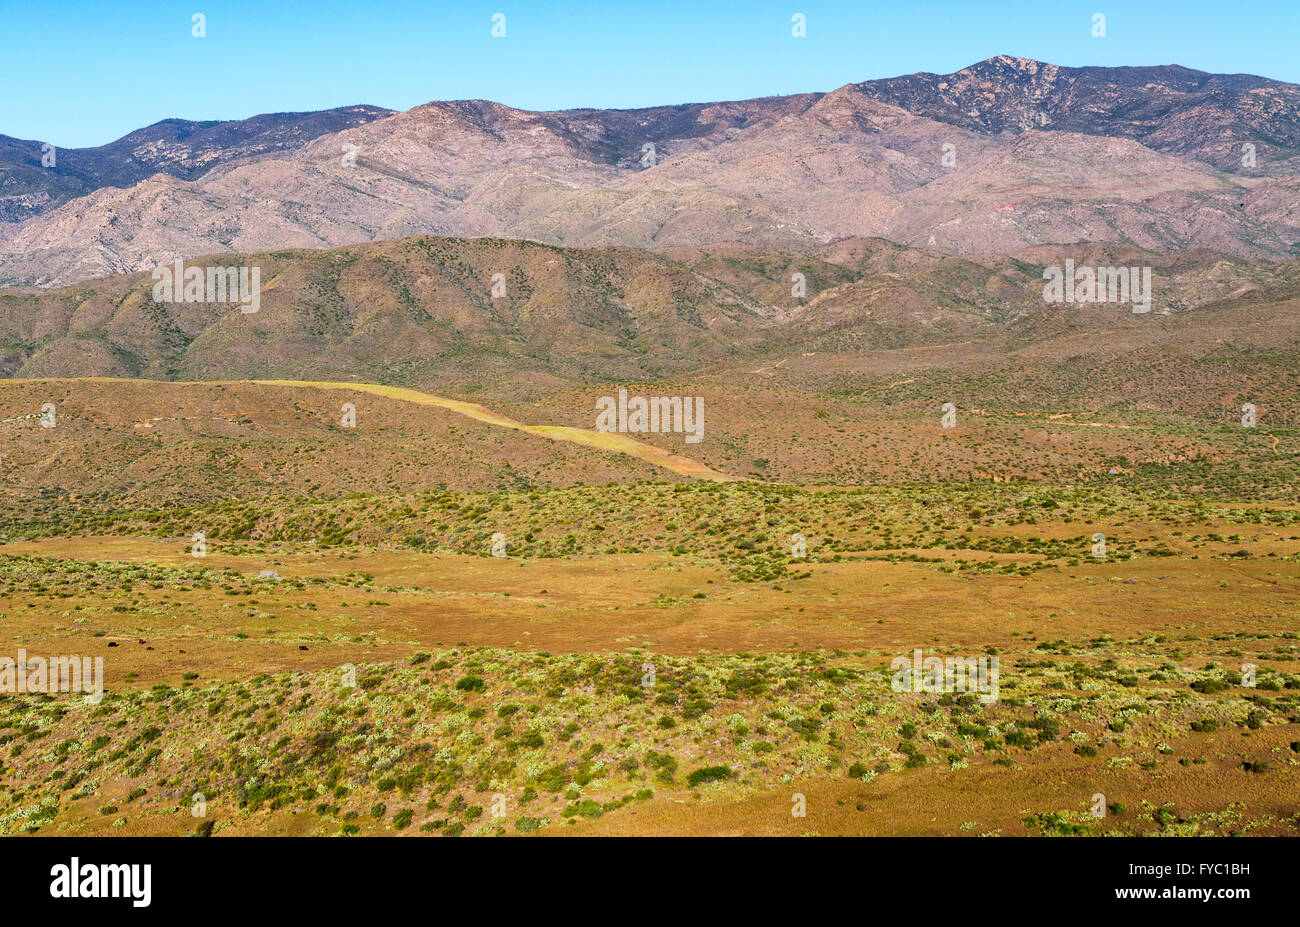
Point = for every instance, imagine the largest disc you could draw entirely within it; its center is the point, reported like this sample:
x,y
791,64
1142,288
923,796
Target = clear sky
x,y
84,73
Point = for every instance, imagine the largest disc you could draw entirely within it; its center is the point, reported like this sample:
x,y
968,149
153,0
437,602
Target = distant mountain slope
x,y
415,311
1005,154
1168,108
420,312
177,147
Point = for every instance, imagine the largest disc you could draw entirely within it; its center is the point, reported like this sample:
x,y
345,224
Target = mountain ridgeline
x,y
1006,154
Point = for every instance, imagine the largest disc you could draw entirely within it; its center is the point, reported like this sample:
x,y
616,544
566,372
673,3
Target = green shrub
x,y
709,774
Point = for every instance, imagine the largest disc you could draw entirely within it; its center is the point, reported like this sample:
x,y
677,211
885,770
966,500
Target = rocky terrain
x,y
174,147
1005,154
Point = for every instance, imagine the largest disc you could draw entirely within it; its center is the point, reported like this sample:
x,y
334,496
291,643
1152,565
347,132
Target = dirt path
x,y
601,441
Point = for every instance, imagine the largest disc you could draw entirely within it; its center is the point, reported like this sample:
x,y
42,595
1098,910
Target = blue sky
x,y
85,73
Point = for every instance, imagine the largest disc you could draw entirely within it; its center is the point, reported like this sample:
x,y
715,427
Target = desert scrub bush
x,y
709,774
738,724
1047,728
665,766
1054,822
805,727
586,808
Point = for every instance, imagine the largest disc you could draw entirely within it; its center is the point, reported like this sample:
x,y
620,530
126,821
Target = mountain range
x,y
1007,154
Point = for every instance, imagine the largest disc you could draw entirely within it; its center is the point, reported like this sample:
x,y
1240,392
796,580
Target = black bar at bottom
x,y
597,877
